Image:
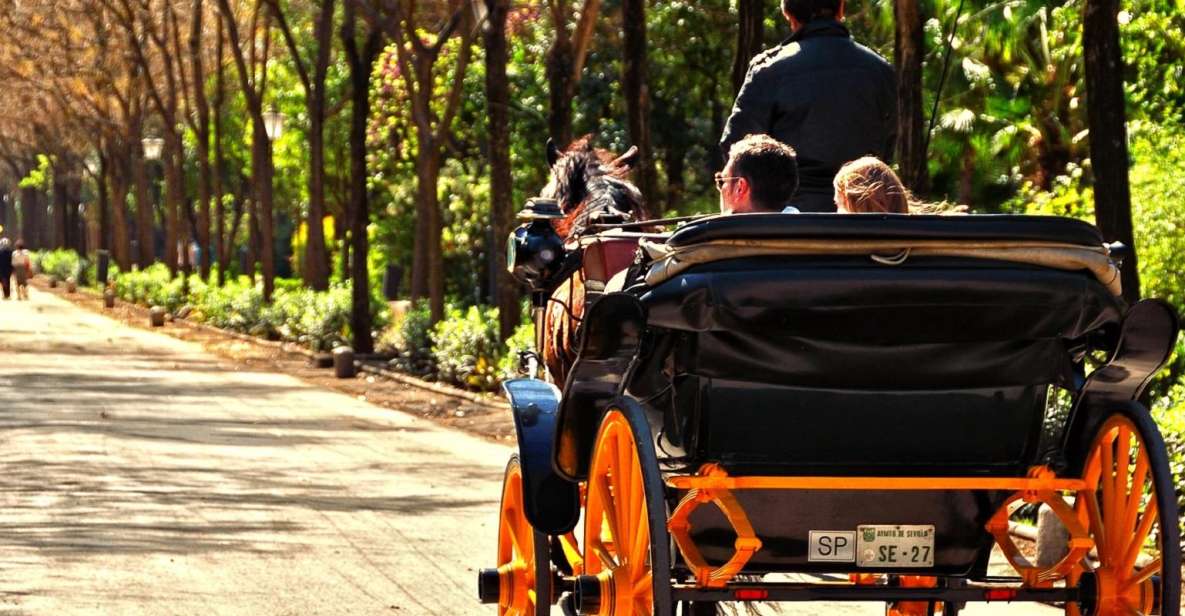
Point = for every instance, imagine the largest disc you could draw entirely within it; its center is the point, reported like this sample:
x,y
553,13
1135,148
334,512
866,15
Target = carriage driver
x,y
828,97
761,175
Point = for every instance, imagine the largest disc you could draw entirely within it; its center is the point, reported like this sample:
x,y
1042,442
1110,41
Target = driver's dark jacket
x,y
830,98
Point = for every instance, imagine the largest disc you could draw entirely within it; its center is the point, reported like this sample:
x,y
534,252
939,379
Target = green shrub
x,y
466,349
413,341
59,264
522,340
318,320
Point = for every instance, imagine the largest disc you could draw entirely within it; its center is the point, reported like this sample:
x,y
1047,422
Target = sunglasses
x,y
723,180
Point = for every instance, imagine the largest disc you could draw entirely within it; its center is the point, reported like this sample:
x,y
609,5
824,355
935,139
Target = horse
x,y
590,185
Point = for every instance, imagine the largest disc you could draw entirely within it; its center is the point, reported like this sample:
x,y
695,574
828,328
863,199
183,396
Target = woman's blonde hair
x,y
868,185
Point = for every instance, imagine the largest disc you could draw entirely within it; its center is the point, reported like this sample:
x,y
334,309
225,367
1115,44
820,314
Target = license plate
x,y
831,546
880,545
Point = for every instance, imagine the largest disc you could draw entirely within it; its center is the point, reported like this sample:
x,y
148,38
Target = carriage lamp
x,y
534,253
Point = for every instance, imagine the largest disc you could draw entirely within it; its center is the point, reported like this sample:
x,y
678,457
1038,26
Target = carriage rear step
x,y
830,591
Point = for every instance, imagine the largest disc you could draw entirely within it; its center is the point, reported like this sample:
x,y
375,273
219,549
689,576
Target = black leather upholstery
x,y
888,226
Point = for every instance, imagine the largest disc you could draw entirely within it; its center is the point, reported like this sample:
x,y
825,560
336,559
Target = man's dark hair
x,y
806,10
770,166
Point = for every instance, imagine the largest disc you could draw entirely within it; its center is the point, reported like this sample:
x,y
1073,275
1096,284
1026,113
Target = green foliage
x,y
40,176
1169,412
522,340
152,286
317,320
413,341
59,264
465,347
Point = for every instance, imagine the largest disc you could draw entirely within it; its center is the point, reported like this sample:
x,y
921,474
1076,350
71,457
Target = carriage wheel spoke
x,y
625,484
604,556
1137,540
1145,574
609,509
617,542
1136,496
1096,525
1120,485
1107,479
641,539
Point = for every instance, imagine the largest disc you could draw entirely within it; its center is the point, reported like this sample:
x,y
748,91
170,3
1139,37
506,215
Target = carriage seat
x,y
1044,241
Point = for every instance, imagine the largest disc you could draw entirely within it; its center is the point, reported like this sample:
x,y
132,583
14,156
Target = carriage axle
x,y
849,592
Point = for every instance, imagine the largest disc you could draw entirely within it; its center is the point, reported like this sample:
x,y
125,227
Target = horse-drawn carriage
x,y
831,408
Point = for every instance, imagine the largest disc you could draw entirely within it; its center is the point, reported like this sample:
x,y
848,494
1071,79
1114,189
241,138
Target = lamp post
x,y
273,123
153,147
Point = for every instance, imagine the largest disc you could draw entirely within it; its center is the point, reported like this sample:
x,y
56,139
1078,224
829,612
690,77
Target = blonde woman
x,y
868,186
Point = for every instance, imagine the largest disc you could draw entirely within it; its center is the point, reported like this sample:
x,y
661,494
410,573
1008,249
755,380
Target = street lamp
x,y
153,147
273,124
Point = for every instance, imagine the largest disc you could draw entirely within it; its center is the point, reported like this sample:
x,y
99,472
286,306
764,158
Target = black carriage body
x,y
834,365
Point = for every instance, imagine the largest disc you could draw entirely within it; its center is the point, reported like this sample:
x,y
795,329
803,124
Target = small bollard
x,y
108,297
53,282
156,316
343,362
71,285
1053,540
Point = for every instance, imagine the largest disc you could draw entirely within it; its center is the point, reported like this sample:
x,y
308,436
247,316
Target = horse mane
x,y
586,180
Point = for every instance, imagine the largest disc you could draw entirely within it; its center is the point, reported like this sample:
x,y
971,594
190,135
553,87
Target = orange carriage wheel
x,y
524,567
1136,569
618,568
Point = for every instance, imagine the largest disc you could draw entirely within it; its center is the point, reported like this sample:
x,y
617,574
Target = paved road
x,y
140,475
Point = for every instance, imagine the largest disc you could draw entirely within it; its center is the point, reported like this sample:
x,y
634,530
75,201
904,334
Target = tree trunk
x,y
637,98
59,209
360,63
750,38
316,265
202,106
30,203
262,172
224,238
174,193
909,50
104,202
252,216
559,73
504,289
429,255
1107,120
116,173
144,224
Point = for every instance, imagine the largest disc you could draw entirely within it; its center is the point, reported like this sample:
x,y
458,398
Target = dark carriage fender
x,y
1146,340
610,340
552,503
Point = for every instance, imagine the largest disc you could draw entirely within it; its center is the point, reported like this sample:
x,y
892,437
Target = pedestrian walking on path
x,y
6,267
21,265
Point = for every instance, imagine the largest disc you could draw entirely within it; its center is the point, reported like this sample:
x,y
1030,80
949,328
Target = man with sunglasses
x,y
761,175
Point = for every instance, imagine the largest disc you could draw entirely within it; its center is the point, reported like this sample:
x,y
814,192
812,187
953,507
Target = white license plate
x,y
882,545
